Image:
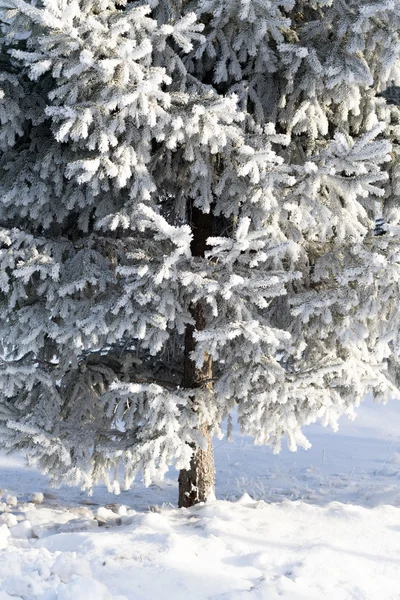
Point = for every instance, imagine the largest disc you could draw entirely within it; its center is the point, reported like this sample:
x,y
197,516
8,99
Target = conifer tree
x,y
188,194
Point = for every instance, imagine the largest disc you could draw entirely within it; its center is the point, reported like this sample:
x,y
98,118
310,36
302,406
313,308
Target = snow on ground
x,y
321,524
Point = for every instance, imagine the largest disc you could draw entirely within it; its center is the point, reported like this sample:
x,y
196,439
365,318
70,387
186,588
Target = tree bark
x,y
196,484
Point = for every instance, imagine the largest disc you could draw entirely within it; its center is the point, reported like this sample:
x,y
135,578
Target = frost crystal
x,y
117,123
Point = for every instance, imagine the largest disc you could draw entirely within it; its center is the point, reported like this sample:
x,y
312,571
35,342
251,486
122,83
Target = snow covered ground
x,y
320,524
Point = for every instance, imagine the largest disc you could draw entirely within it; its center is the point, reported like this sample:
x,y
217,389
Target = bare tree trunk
x,y
196,484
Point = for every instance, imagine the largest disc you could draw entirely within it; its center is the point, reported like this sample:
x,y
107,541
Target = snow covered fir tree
x,y
188,195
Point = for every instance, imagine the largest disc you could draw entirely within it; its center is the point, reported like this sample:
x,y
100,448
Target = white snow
x,y
4,535
8,519
22,530
321,524
36,498
10,500
105,515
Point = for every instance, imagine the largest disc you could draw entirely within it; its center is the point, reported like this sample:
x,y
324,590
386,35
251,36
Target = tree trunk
x,y
196,484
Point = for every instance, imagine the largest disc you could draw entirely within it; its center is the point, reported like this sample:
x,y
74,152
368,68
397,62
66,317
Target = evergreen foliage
x,y
117,121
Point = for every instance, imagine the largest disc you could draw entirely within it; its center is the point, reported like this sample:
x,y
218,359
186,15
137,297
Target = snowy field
x,y
317,524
